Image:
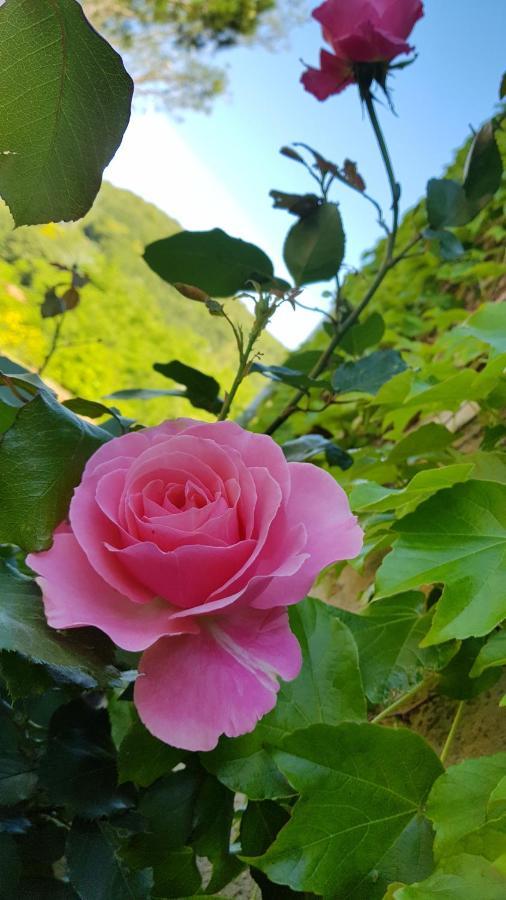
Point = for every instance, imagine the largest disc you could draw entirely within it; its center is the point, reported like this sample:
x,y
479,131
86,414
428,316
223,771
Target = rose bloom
x,y
359,32
187,541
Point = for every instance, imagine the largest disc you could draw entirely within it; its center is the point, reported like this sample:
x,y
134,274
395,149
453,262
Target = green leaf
x,y
361,786
456,681
210,260
143,394
96,869
211,834
169,807
363,335
177,875
483,170
462,877
78,769
447,204
260,824
388,634
328,689
201,390
447,244
89,408
10,867
457,537
424,442
143,758
492,654
488,324
23,629
64,105
314,247
42,457
18,777
311,445
369,374
502,88
284,375
372,497
466,815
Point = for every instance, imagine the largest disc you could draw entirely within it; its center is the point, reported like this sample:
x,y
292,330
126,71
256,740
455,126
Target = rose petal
x,y
222,681
74,595
333,534
333,77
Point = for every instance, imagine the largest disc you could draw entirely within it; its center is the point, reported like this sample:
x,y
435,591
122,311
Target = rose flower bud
x,y
187,542
365,35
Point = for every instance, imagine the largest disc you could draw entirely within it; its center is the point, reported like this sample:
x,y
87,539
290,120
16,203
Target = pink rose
x,y
359,32
188,541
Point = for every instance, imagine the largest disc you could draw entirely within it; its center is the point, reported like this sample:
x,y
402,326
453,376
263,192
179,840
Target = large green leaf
x,y
143,758
369,374
23,629
18,777
483,170
64,105
42,456
492,654
488,324
328,689
96,869
314,247
447,204
468,809
78,769
372,497
361,787
462,877
457,537
456,681
213,261
363,335
388,634
426,441
201,390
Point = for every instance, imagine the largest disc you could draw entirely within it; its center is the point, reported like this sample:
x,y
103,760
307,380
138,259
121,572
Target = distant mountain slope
x,y
127,319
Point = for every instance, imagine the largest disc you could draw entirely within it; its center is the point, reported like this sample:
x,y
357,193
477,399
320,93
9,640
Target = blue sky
x,y
218,169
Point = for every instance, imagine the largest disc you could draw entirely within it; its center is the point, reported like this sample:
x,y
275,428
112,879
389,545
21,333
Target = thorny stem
x,y
245,360
389,261
452,732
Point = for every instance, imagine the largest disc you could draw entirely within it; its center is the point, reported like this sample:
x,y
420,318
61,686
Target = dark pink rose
x,y
359,32
188,541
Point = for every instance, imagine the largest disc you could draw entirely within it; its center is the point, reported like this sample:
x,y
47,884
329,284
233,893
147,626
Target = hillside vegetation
x,y
421,303
127,318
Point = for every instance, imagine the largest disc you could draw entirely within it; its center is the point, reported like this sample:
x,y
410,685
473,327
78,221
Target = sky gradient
x,y
217,170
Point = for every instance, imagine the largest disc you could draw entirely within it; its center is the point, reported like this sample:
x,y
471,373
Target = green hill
x,y
127,318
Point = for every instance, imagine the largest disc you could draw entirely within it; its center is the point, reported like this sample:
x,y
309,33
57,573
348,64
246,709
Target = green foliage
x,y
369,374
353,810
37,479
458,537
314,247
210,260
112,339
388,635
65,96
467,806
328,690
